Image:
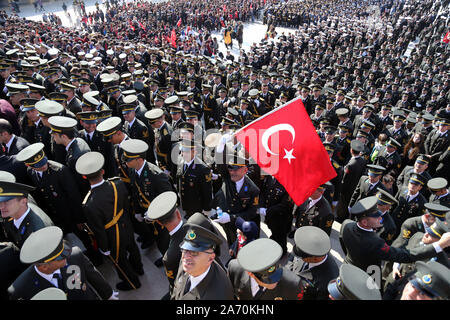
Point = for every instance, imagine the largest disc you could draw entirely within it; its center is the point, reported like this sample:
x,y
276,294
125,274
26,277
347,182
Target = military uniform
x,y
106,210
242,203
365,248
288,285
53,247
194,185
316,213
215,285
407,208
365,188
278,207
313,242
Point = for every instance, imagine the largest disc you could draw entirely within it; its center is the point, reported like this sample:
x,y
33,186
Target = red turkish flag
x,y
286,145
446,38
179,23
173,38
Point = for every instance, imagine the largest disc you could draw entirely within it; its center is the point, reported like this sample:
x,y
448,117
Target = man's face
x,y
176,116
33,115
383,207
373,222
317,194
132,163
89,127
15,98
374,178
11,208
414,188
419,167
238,173
57,137
84,88
195,263
129,116
412,293
188,155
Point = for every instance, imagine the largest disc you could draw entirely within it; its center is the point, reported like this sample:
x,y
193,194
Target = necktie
x,y
58,278
305,266
187,286
259,293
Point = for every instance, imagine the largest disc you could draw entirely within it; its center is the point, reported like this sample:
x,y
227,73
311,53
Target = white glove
x,y
107,253
139,217
114,296
214,176
262,211
334,203
225,218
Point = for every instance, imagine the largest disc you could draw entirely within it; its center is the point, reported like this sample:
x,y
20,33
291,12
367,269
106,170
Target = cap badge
x,y
191,235
426,279
1,190
271,269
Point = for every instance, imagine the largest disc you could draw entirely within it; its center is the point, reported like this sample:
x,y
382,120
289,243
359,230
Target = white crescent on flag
x,y
272,130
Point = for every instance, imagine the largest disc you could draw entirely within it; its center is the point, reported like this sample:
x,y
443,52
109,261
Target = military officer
x,y
47,109
333,197
430,281
113,132
390,158
147,181
432,234
106,209
420,223
95,141
353,171
209,107
441,195
315,211
368,185
163,139
64,133
20,218
164,209
257,275
238,196
194,179
437,143
397,132
420,167
276,206
199,276
342,153
384,204
53,262
410,200
312,262
352,284
365,248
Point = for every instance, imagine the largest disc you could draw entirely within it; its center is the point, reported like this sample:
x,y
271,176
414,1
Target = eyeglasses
x,y
194,253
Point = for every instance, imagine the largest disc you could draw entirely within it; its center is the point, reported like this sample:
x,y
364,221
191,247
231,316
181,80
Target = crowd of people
x,y
126,128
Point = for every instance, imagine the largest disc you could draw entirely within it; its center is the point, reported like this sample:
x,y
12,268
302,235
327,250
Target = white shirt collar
x,y
37,122
18,222
189,163
178,227
411,197
196,280
97,184
315,264
368,230
70,143
140,170
8,145
254,286
239,184
49,277
131,123
313,202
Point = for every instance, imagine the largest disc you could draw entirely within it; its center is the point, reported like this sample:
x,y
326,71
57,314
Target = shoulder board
x,y
114,179
348,140
336,165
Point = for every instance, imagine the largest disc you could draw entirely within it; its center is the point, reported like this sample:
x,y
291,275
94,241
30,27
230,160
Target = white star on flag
x,y
289,155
